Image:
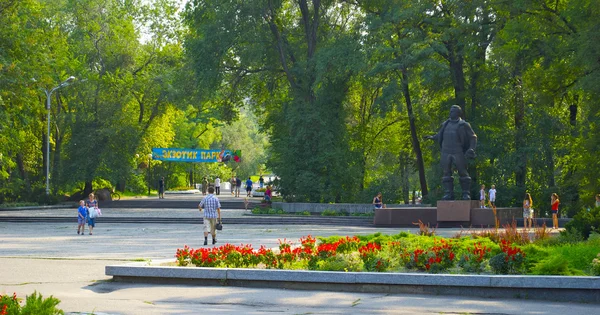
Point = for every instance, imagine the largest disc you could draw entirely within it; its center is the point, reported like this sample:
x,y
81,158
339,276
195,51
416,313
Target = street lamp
x,y
48,95
149,174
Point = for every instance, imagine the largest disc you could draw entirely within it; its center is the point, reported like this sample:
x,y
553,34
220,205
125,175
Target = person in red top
x,y
555,202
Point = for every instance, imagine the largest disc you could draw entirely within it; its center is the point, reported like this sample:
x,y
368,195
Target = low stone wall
x,y
407,216
553,288
320,207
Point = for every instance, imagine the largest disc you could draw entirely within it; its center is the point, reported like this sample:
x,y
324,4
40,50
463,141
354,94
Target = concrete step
x,y
261,220
171,204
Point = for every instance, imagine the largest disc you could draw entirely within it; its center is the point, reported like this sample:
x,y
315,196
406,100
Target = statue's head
x,y
455,112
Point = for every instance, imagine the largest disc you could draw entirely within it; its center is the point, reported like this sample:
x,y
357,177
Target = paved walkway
x,y
54,260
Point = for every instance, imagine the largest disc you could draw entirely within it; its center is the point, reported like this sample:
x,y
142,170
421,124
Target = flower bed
x,y
403,252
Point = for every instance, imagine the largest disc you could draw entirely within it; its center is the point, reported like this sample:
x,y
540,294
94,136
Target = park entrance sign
x,y
192,155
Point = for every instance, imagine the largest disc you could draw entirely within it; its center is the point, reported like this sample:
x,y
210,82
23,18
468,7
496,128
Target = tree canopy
x,y
332,96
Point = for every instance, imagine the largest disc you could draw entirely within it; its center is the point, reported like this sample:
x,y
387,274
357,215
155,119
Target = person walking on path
x,y
554,203
82,214
212,212
232,182
377,201
238,186
92,205
492,196
527,211
204,185
161,188
268,194
482,197
261,182
217,186
248,187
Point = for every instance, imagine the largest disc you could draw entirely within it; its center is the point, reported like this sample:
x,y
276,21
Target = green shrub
x,y
595,270
556,265
329,213
585,222
341,262
34,304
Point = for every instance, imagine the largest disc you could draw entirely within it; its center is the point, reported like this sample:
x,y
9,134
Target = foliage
x,y
596,266
510,261
259,210
585,222
403,252
475,258
332,96
34,304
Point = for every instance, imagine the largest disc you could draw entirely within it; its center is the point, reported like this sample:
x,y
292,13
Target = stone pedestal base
x,y
455,210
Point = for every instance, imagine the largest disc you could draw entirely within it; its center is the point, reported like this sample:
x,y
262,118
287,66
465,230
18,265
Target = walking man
x,y
218,185
212,212
238,186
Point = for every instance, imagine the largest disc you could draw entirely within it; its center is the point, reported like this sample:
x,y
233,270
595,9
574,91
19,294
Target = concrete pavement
x,y
54,260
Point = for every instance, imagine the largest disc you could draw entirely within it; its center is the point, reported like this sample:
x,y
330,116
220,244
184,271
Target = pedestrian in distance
x,y
261,182
554,202
248,187
492,196
92,206
378,201
232,183
212,214
204,185
161,188
82,214
238,186
482,197
527,211
268,194
217,186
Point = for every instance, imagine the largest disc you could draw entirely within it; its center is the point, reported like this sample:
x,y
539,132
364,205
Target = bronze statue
x,y
458,141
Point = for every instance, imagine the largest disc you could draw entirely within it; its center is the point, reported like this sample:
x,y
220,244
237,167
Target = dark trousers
x,y
218,190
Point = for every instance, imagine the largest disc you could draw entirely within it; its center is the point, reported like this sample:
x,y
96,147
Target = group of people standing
x,y
87,212
529,213
236,185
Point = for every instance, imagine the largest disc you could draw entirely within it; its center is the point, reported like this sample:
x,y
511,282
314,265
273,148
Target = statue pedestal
x,y
455,210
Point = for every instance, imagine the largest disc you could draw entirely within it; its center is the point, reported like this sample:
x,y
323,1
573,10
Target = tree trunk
x,y
404,160
413,133
457,74
520,143
87,189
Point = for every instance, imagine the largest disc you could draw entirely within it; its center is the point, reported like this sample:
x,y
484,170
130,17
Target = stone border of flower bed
x,y
555,288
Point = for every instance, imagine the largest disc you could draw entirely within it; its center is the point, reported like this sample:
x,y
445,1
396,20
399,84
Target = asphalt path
x,y
53,260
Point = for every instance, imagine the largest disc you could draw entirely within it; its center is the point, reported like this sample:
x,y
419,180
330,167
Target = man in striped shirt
x,y
212,211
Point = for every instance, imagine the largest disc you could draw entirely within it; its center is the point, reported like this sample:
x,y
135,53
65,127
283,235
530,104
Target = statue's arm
x,y
472,138
435,137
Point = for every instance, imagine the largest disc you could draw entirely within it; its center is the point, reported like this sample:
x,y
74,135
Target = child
x,y
482,197
82,214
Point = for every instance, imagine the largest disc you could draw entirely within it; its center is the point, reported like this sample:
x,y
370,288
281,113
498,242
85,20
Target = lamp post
x,y
149,173
48,97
